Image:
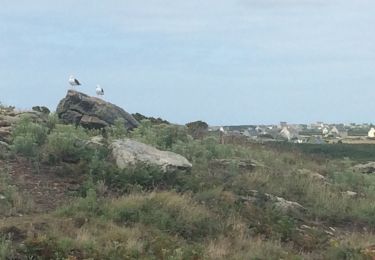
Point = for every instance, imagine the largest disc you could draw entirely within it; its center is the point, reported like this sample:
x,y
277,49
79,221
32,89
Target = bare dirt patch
x,y
47,189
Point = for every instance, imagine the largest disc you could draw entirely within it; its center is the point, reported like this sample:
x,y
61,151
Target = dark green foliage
x,y
66,143
161,136
197,129
155,121
140,177
28,136
118,130
149,177
52,121
358,152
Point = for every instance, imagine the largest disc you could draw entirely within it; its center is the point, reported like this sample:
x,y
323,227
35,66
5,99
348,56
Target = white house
x,y
325,131
289,133
334,131
371,133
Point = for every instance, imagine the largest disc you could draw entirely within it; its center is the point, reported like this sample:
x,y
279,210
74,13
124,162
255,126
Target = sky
x,y
226,62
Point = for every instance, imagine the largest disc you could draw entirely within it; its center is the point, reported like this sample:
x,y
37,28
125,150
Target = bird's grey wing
x,y
77,82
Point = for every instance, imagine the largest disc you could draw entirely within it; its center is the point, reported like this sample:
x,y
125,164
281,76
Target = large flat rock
x,y
127,152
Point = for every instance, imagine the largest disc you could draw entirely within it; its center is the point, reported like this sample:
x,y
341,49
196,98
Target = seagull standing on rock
x,y
73,81
99,91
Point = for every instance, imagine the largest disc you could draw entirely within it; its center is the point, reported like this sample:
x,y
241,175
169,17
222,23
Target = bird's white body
x,y
73,81
222,129
99,90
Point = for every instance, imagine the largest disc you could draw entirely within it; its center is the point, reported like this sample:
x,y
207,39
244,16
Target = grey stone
x,y
5,134
9,118
126,152
91,112
41,109
365,168
280,203
312,174
4,146
95,142
242,164
350,193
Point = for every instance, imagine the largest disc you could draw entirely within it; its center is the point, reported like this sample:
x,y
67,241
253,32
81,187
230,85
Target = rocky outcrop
x,y
41,109
5,134
8,118
365,168
127,152
95,142
279,203
4,147
311,174
242,164
349,193
153,120
91,112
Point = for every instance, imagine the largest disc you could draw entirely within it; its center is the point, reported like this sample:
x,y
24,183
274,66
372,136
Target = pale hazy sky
x,y
224,62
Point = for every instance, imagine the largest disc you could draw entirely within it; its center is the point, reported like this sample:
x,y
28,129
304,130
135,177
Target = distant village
x,y
316,133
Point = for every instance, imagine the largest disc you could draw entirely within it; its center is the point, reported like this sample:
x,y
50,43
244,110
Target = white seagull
x,y
99,90
73,81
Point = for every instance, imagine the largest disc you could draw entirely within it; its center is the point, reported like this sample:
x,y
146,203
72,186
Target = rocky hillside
x,y
90,182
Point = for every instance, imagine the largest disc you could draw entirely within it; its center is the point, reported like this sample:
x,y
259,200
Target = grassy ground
x,y
209,212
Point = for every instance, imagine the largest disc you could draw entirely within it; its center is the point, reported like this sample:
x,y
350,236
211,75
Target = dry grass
x,y
247,248
12,201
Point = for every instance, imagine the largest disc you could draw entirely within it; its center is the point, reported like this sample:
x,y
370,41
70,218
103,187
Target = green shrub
x,y
28,136
67,142
117,130
162,136
89,205
138,177
25,145
45,247
5,248
52,121
197,129
193,150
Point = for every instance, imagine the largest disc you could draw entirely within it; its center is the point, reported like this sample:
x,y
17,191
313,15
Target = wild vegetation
x,y
241,200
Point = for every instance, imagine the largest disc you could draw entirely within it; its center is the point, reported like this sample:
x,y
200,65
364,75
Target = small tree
x,y
197,129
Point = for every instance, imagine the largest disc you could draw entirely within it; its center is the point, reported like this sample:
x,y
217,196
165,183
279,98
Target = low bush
x,y
52,121
162,136
197,129
146,176
28,137
5,248
117,130
67,142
